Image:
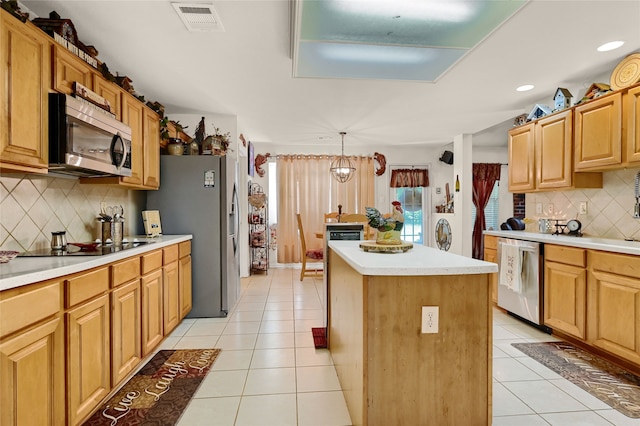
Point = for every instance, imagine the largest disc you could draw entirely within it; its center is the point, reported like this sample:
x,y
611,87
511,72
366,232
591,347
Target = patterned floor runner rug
x,y
159,392
611,384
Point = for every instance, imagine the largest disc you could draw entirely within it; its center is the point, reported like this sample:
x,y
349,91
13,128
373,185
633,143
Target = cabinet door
x,y
171,296
111,92
491,255
24,84
67,69
152,308
132,110
565,292
614,304
126,325
151,145
521,159
32,376
554,154
88,357
184,275
598,133
633,125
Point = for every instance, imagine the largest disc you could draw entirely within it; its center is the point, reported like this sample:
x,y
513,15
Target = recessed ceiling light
x,y
525,88
610,46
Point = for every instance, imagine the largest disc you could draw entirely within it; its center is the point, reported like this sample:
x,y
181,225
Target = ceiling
x,y
248,69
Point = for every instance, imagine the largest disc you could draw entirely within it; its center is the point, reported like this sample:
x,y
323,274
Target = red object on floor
x,y
319,337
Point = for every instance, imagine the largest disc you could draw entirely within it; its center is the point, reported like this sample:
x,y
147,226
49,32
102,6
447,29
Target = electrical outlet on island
x,y
430,319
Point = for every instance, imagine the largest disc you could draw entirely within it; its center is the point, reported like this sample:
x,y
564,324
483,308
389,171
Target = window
x,y
490,211
411,199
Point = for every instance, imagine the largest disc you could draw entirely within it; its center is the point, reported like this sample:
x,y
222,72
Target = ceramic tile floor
x,y
269,373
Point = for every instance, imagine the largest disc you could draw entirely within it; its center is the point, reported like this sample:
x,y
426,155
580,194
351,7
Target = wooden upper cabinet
x,y
132,113
67,69
151,149
598,133
554,153
25,76
633,125
111,92
521,159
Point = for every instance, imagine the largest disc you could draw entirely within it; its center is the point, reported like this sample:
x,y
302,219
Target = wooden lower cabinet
x,y
88,357
32,376
491,255
614,304
152,311
565,290
185,280
126,350
170,289
90,331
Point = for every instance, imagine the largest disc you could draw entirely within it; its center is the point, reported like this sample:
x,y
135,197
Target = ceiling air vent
x,y
198,16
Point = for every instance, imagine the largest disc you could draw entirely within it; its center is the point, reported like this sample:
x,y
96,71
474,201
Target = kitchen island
x,y
389,370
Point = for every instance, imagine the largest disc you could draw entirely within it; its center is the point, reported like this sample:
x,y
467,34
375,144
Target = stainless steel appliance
x,y
336,231
198,195
85,140
86,249
523,294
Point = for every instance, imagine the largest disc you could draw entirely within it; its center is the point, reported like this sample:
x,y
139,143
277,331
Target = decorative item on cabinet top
x,y
595,91
64,32
626,73
538,111
561,99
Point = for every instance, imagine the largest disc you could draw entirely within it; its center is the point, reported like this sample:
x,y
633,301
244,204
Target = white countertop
x,y
420,260
604,244
26,270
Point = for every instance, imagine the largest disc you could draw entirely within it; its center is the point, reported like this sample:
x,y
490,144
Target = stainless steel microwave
x,y
85,140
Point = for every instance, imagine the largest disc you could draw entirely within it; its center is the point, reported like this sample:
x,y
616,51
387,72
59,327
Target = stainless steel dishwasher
x,y
523,293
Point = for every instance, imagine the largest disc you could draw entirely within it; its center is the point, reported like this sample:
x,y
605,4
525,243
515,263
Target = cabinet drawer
x,y
615,263
567,255
184,248
490,242
125,271
27,305
151,261
170,254
85,286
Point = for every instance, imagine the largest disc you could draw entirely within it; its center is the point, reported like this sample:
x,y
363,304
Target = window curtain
x,y
305,186
485,176
409,178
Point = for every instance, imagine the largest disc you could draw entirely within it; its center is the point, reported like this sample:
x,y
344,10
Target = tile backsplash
x,y
32,206
609,210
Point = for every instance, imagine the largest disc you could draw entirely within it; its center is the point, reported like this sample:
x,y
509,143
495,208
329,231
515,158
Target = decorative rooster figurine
x,y
388,222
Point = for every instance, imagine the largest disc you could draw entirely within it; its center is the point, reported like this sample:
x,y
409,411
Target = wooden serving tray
x,y
373,247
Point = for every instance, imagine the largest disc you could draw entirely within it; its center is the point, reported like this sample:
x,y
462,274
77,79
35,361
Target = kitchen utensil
x,y
106,232
545,226
117,232
59,240
516,224
86,246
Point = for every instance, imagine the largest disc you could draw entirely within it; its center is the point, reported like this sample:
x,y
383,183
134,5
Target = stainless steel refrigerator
x,y
198,195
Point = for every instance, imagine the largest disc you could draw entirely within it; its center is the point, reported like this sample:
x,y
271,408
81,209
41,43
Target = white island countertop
x,y
604,244
27,270
420,260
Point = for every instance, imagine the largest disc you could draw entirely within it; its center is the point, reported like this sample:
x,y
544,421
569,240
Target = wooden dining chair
x,y
333,216
313,255
359,218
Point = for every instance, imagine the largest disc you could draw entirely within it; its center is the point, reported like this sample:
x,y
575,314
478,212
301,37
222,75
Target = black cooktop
x,y
77,251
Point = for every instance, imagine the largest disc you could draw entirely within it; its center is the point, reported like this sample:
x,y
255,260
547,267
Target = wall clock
x,y
443,234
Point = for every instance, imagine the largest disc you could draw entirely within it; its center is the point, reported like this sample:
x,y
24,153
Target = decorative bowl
x,y
7,255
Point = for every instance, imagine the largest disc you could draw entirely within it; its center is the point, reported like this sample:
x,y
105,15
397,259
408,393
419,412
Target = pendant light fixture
x,y
342,168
